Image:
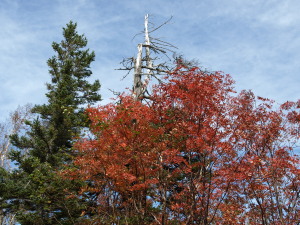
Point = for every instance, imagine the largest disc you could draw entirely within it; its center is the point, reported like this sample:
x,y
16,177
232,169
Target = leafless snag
x,y
13,125
143,66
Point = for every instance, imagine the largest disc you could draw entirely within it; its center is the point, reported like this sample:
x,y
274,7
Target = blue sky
x,y
256,41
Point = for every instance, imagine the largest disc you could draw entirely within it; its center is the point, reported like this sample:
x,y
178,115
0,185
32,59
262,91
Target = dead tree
x,y
143,65
13,125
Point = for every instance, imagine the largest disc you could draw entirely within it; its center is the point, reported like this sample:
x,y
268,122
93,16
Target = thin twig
x,y
161,25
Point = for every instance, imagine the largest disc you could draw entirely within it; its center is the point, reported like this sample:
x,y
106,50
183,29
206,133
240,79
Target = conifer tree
x,y
36,191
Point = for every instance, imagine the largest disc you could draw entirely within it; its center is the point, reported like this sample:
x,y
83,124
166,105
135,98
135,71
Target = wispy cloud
x,y
255,41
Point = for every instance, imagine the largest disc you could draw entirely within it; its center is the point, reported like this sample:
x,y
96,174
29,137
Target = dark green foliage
x,y
35,191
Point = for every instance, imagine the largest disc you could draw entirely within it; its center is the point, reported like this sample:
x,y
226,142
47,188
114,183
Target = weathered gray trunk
x,y
140,86
143,63
137,80
149,62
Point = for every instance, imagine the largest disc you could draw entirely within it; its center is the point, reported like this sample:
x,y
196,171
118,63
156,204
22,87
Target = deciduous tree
x,y
15,124
198,153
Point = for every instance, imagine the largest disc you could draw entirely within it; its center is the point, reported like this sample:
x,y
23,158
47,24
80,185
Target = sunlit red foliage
x,y
196,154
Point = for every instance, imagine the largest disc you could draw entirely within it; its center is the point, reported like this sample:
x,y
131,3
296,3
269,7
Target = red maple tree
x,y
197,153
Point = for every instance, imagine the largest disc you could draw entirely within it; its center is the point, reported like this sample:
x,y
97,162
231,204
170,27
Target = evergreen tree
x,y
36,191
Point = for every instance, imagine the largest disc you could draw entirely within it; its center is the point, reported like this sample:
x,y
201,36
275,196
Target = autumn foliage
x,y
197,153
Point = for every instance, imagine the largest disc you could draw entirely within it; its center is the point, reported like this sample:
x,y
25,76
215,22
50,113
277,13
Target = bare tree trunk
x,y
149,62
137,80
143,65
140,86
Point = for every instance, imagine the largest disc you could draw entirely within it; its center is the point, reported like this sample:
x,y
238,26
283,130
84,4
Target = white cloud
x,y
282,14
256,41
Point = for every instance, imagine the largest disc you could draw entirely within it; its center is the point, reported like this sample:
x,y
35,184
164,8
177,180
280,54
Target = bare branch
x,y
117,93
166,43
137,35
144,61
161,25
